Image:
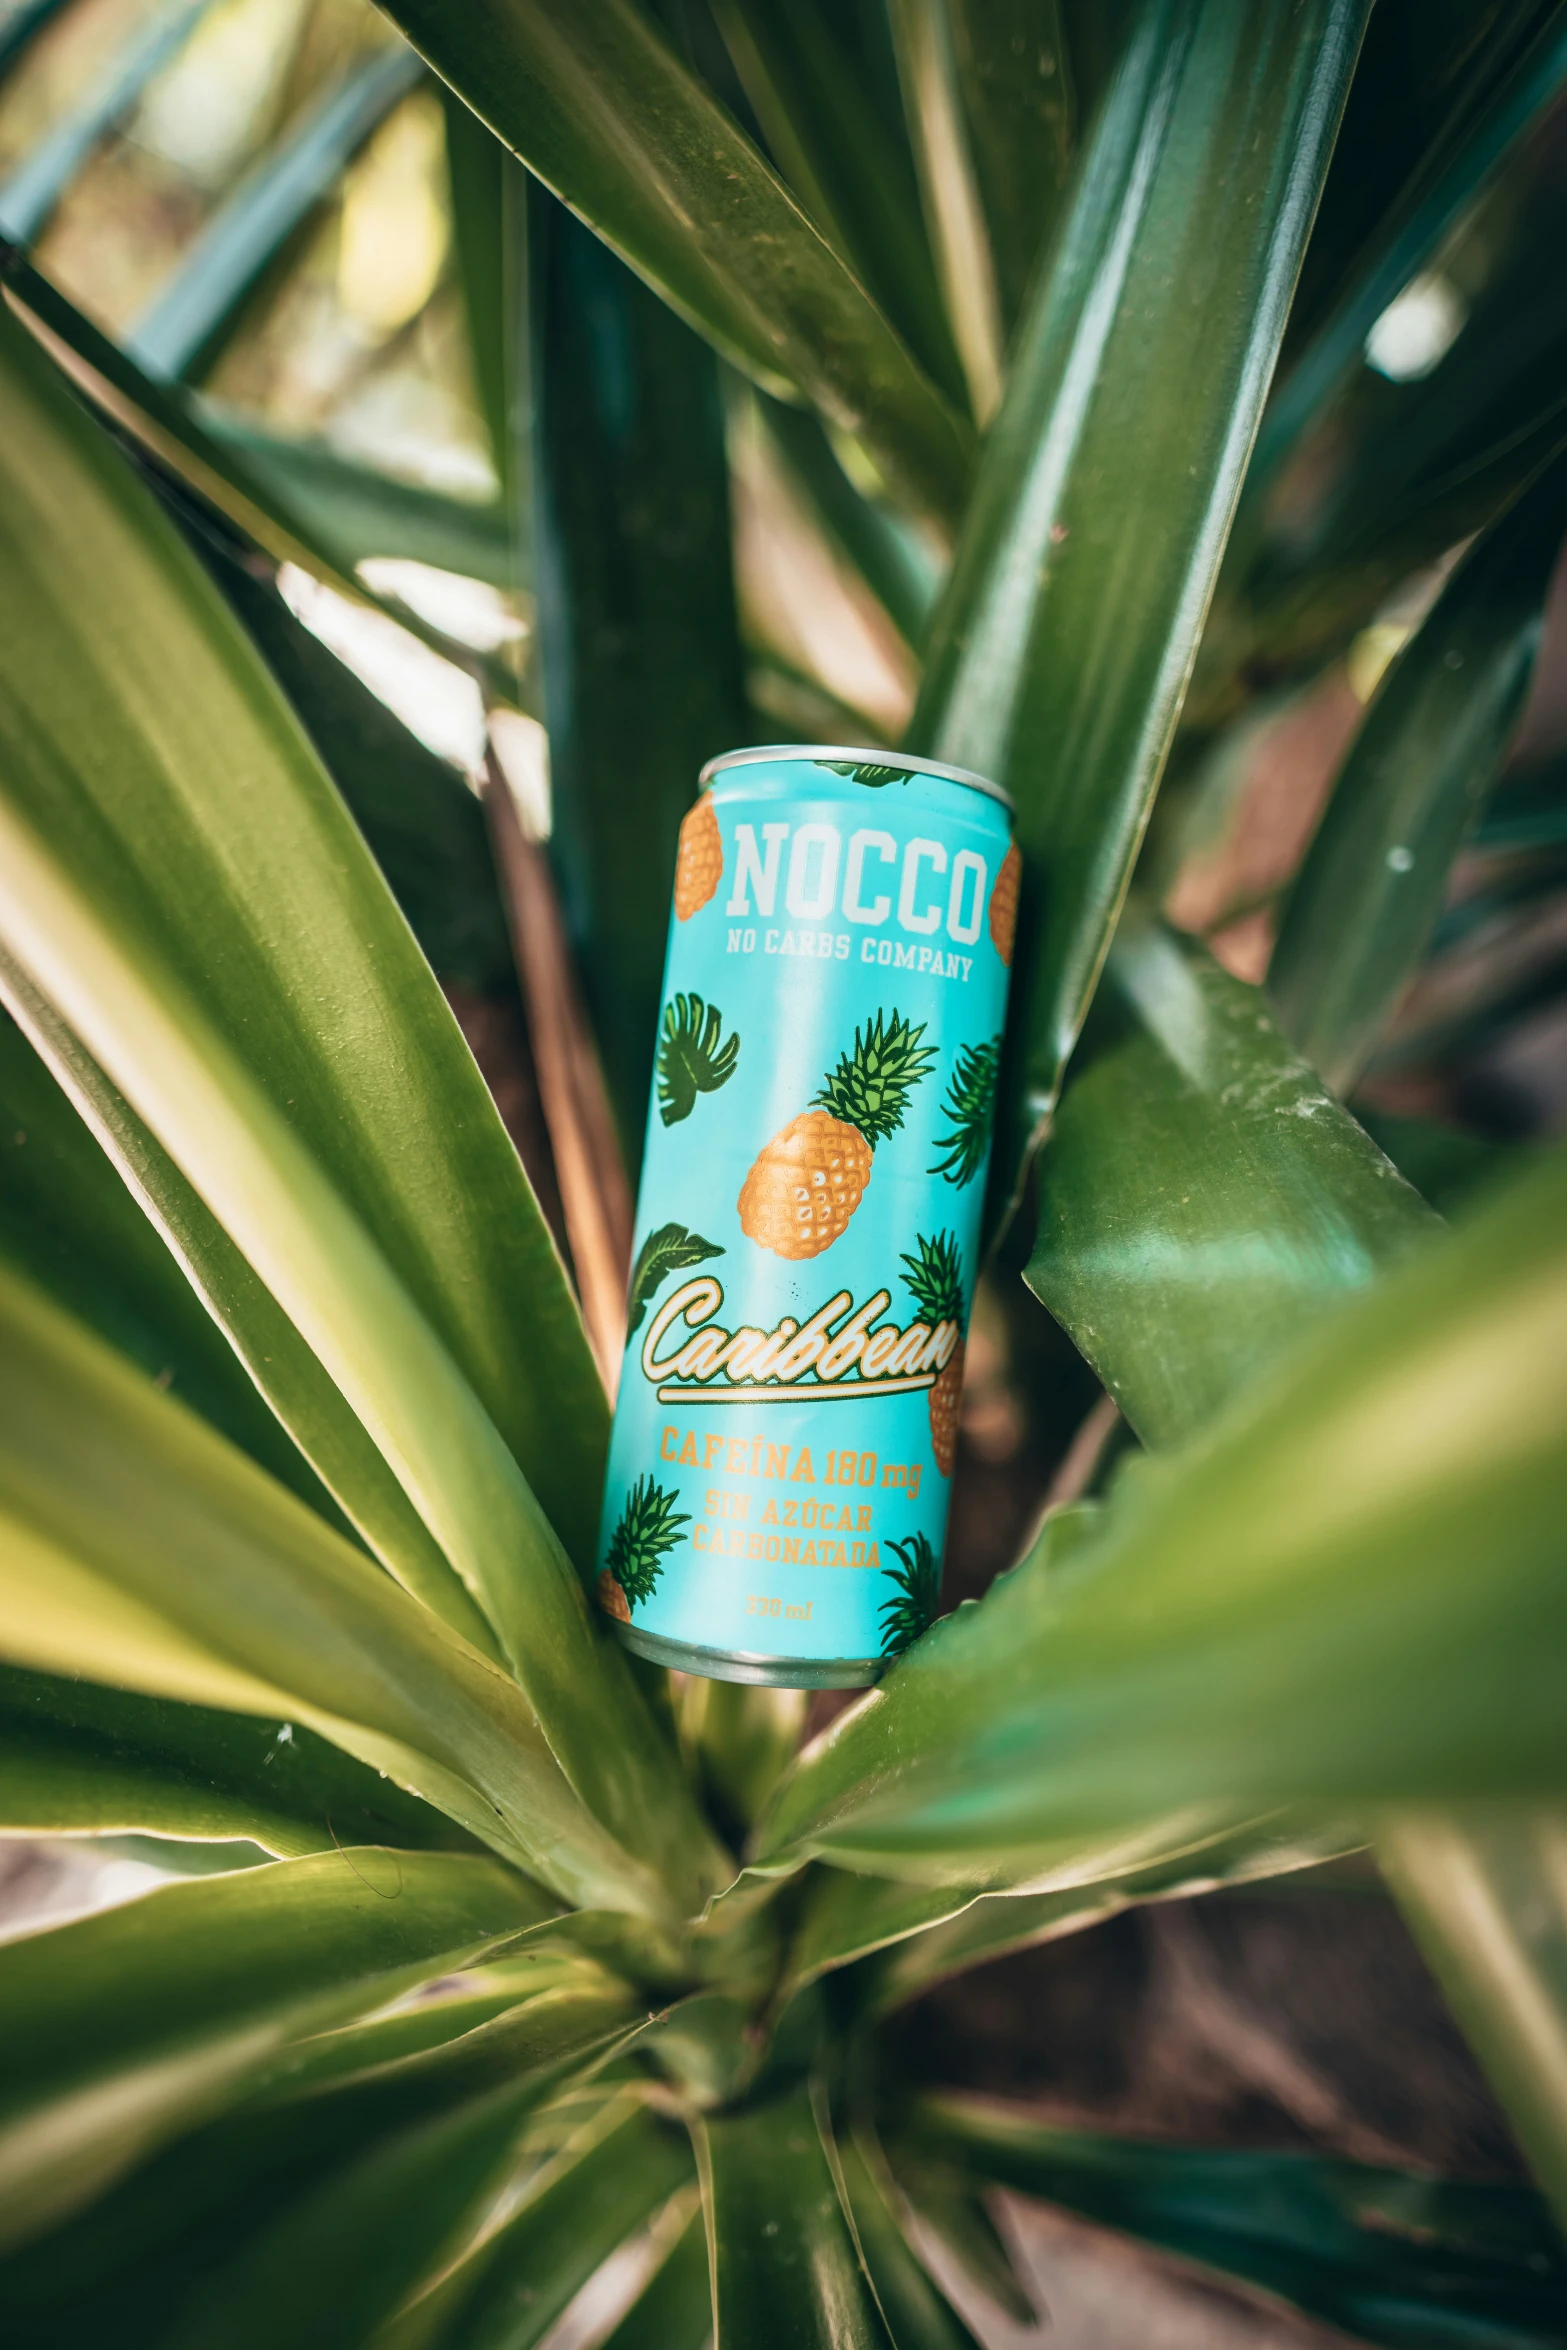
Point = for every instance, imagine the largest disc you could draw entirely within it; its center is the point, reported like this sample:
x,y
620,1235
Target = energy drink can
x,y
808,1221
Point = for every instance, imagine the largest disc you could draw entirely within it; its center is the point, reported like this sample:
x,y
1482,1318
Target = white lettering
x,y
963,864
761,873
815,855
919,852
804,902
863,845
696,1301
766,1364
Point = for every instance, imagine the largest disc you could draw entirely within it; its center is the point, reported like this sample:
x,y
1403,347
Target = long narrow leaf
x,y
949,189
596,103
33,190
1286,1610
521,2278
420,818
327,2275
77,1758
1422,764
319,1099
354,512
1486,1898
1389,2257
183,319
272,494
320,2207
68,1224
459,2037
1442,193
917,2312
1395,473
674,2311
485,182
950,2203
122,2027
1202,1193
817,104
639,647
327,2271
777,2286
311,1253
102,603
915,1936
144,1552
332,1439
1015,78
1061,653
1425,79
21,24
893,562
1417,776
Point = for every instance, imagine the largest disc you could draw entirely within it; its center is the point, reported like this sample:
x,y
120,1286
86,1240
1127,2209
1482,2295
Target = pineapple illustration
x,y
916,1596
649,1525
1003,904
699,868
969,1108
808,1181
690,1058
935,1281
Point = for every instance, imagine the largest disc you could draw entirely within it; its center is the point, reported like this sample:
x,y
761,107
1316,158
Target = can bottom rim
x,y
758,1672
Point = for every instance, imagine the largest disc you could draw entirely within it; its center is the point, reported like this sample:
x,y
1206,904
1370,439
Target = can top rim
x,y
871,755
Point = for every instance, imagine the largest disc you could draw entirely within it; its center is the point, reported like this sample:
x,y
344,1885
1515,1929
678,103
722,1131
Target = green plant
x,y
870,1087
935,1282
647,1527
510,1950
969,1107
691,1059
669,1249
916,1594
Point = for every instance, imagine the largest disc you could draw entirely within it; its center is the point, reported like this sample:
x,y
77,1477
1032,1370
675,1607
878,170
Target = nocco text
x,y
869,880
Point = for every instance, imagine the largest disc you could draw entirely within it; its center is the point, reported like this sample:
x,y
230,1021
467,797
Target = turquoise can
x,y
808,1218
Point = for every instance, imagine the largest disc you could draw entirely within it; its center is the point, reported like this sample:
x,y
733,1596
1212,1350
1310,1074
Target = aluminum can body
x,y
808,1216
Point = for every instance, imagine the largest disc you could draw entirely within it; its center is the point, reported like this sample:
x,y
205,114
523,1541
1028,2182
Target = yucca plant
x,y
1132,416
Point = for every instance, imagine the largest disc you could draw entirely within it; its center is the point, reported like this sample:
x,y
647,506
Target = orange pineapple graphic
x,y
808,1181
699,868
935,1281
1003,903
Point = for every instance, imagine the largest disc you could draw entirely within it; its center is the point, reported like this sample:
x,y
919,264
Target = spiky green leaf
x,y
1061,649
1414,783
648,1526
871,1085
1285,1611
969,1107
597,103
